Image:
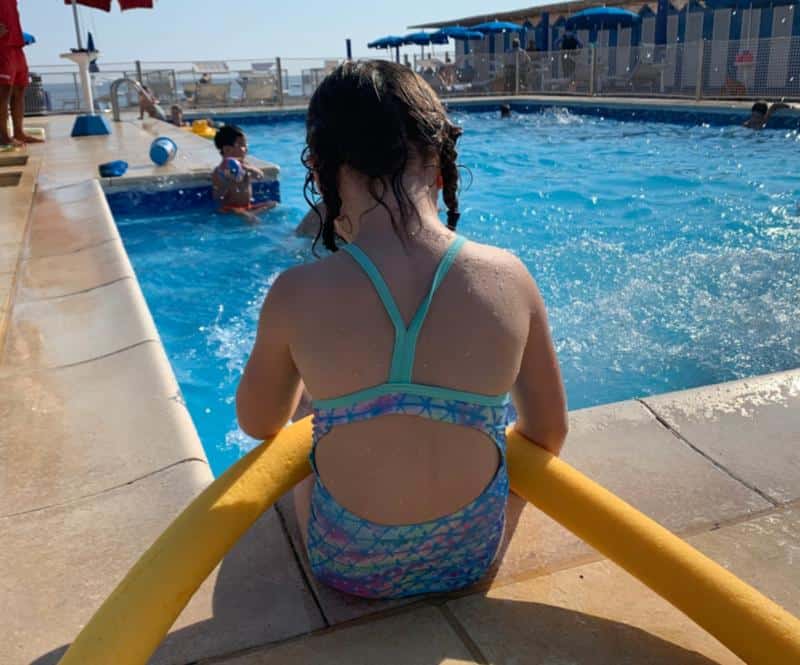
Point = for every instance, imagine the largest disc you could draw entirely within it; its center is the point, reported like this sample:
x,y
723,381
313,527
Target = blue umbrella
x,y
493,27
601,17
460,32
419,38
390,41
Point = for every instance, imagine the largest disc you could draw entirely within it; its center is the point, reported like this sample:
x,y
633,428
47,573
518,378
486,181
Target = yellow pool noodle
x,y
132,622
755,628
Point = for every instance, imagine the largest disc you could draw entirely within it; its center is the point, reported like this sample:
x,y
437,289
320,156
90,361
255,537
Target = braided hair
x,y
375,117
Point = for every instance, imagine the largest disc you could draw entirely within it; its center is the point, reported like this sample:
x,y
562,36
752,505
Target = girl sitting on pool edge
x,y
412,342
232,178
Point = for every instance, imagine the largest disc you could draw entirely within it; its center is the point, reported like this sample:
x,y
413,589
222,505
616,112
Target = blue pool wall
x,y
140,201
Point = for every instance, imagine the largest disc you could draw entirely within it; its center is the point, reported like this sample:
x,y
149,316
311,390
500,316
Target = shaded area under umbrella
x,y
422,39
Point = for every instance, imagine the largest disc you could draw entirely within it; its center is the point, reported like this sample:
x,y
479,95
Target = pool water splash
x,y
668,256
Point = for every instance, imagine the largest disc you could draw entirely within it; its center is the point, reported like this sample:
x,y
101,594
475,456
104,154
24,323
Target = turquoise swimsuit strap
x,y
405,339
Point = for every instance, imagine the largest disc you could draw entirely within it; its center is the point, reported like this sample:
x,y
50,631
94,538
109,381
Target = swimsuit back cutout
x,y
374,560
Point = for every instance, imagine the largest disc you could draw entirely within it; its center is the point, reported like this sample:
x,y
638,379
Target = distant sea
x,y
64,96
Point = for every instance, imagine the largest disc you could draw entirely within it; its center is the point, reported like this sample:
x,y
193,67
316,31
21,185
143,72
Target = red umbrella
x,y
105,5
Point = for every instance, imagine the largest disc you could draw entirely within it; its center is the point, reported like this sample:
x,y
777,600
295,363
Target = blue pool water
x,y
668,255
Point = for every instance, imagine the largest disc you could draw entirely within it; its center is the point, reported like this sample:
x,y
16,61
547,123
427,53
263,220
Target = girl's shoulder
x,y
492,258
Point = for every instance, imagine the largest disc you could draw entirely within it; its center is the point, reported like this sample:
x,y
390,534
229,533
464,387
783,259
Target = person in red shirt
x,y
13,75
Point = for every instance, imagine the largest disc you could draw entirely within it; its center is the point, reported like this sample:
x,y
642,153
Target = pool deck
x,y
99,454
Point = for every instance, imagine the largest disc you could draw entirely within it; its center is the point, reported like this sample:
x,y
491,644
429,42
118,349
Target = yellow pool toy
x,y
202,128
134,619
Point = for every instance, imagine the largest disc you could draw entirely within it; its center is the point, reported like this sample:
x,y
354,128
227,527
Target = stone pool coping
x,y
100,454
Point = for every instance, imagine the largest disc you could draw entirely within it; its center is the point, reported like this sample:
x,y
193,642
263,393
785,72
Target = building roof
x,y
555,10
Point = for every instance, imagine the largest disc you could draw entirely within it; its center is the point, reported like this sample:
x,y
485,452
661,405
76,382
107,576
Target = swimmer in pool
x,y
412,340
761,112
232,179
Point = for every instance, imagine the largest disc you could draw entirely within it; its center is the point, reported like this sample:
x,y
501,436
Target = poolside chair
x,y
644,77
257,88
213,94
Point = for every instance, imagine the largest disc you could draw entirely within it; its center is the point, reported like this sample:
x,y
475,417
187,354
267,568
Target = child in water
x,y
412,341
761,112
232,179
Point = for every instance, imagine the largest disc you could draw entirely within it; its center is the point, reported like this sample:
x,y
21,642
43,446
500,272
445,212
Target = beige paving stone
x,y
750,427
76,431
59,564
418,637
765,552
593,614
64,274
257,596
69,161
69,219
9,255
77,192
597,613
5,309
72,329
624,448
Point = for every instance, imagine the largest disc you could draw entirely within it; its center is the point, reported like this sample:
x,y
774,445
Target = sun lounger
x,y
258,88
213,94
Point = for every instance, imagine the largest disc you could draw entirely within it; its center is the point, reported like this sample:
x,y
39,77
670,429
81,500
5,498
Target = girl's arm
x,y
270,388
538,392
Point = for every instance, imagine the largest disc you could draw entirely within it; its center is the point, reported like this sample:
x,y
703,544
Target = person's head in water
x,y
505,111
759,110
231,142
380,120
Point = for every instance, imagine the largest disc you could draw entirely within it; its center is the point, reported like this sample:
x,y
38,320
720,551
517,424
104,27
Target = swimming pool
x,y
668,255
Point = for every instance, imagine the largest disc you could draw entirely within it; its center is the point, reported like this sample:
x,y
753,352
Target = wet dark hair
x,y
375,116
505,110
760,107
227,135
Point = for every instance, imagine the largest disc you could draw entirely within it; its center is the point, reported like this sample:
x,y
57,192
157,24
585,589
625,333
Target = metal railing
x,y
745,69
201,84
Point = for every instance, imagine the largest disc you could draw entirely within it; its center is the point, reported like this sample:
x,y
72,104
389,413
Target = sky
x,y
229,29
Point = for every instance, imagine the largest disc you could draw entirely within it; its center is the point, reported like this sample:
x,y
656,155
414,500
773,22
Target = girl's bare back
x,y
473,340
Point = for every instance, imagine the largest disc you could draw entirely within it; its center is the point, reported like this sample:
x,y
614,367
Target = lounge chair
x,y
213,94
645,76
258,88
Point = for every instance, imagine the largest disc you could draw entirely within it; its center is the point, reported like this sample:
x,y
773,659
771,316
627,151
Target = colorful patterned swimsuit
x,y
373,560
